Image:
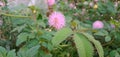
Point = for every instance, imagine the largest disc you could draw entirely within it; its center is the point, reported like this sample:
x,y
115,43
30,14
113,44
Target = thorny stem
x,y
108,42
35,19
84,30
19,16
64,45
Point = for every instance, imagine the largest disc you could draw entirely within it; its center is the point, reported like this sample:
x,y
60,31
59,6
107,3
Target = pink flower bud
x,y
91,4
71,5
98,24
31,3
85,3
2,4
96,0
50,2
116,4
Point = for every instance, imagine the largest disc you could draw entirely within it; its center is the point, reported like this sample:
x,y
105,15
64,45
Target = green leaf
x,y
21,53
107,38
84,47
1,55
114,53
19,28
96,43
61,35
43,54
31,35
21,38
101,33
39,16
32,43
32,51
11,53
2,52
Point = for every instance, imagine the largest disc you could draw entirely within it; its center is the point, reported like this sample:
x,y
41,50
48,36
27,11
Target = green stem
x,y
64,45
15,15
84,30
108,43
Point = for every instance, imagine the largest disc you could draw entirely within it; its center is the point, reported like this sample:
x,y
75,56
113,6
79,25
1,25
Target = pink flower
x,y
91,4
57,20
98,24
116,4
31,3
51,2
71,5
2,4
96,0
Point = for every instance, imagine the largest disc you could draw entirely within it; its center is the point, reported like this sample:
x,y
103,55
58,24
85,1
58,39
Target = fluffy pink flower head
x,y
2,4
31,3
50,2
98,24
57,20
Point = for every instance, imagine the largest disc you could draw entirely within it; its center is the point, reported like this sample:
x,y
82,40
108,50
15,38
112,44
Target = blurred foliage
x,y
25,32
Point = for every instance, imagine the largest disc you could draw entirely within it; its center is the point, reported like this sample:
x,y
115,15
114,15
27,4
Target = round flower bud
x,y
98,24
